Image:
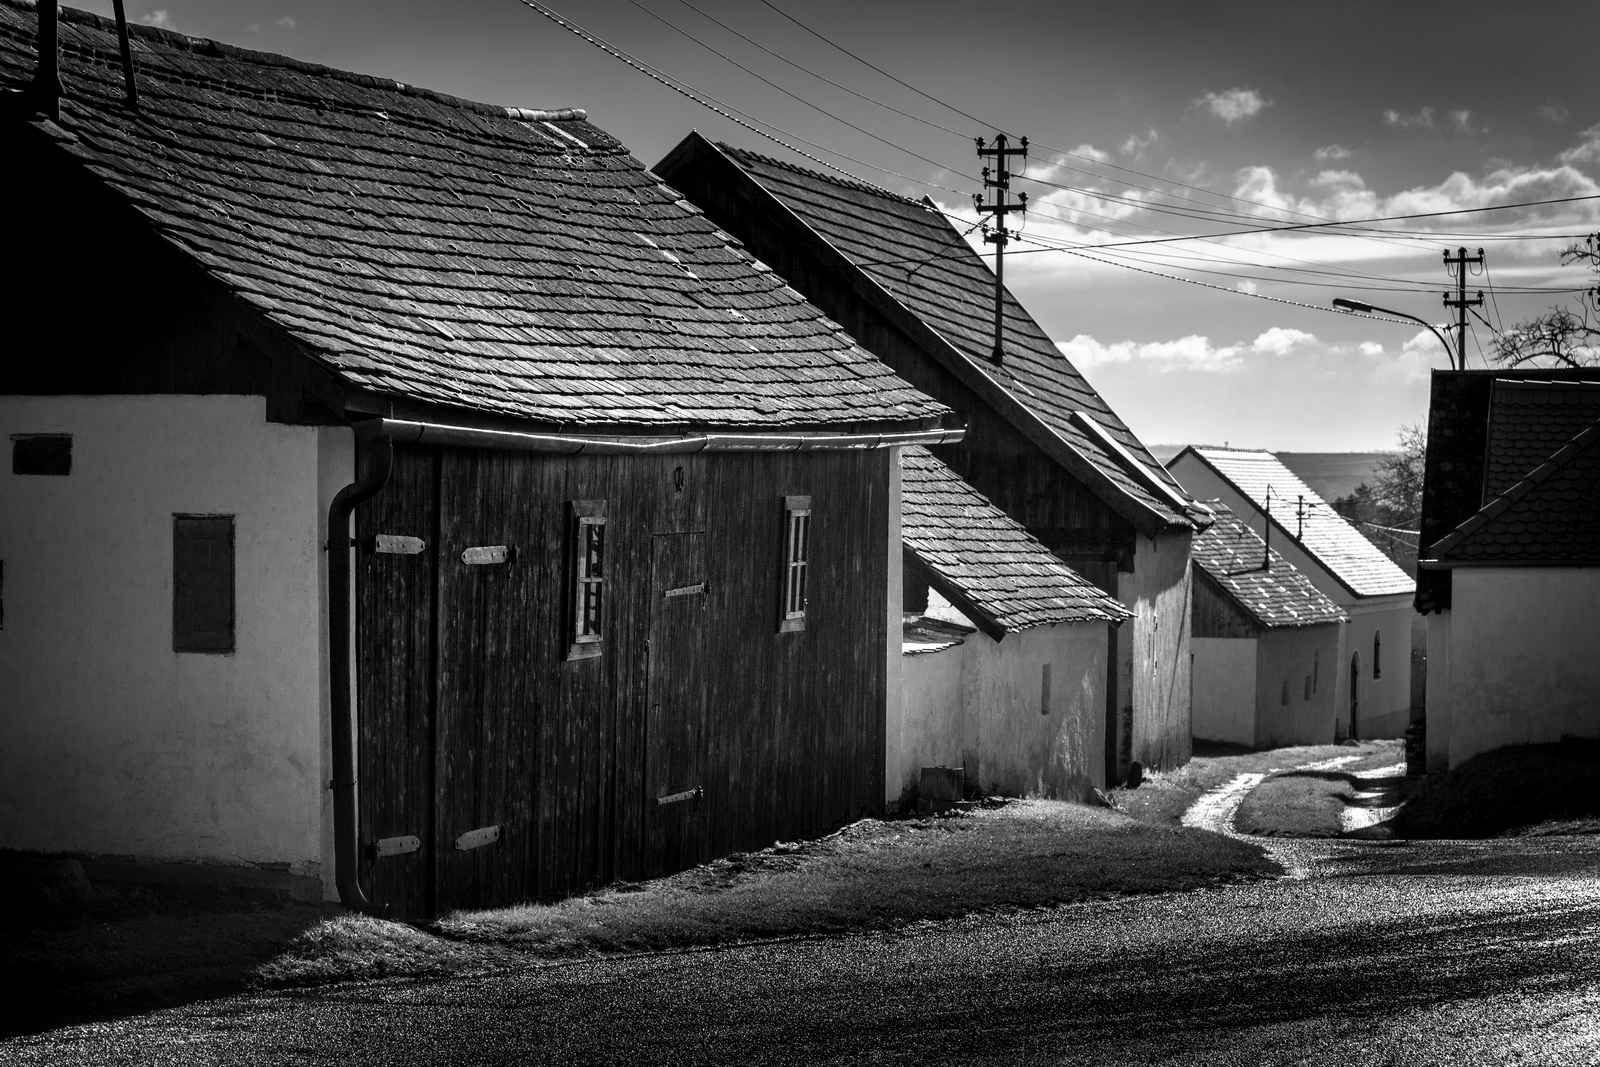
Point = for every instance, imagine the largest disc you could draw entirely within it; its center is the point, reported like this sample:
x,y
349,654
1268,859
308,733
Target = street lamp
x,y
1366,309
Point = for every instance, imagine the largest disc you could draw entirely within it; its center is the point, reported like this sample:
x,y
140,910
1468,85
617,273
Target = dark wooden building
x,y
1041,443
618,591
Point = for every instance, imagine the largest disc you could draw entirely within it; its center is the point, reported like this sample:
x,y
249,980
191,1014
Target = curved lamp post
x,y
1366,309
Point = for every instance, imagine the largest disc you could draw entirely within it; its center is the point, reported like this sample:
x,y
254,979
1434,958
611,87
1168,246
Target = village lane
x,y
1458,953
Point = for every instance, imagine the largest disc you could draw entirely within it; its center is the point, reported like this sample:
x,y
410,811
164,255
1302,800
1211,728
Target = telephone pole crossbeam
x,y
1457,266
1002,206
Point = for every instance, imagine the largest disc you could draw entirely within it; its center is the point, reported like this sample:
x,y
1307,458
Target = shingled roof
x,y
983,561
1528,422
1550,516
1338,547
913,253
1277,595
510,262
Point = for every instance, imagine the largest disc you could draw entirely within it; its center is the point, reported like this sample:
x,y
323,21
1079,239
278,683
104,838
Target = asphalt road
x,y
1457,954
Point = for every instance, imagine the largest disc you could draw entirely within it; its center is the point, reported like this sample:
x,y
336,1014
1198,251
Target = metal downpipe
x,y
378,451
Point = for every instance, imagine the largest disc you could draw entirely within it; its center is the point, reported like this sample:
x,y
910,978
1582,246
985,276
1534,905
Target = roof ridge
x,y
205,46
1558,459
832,179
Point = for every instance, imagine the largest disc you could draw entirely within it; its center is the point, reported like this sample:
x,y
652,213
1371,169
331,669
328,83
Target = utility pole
x,y
1266,533
1457,266
1001,184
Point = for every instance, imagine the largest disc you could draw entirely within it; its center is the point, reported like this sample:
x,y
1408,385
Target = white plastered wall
x,y
1225,689
116,744
983,705
1522,659
1384,702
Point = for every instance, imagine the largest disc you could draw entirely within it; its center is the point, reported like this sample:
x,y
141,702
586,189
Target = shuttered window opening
x,y
796,561
588,577
41,453
202,583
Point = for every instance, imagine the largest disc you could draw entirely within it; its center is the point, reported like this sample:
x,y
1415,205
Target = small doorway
x,y
1355,694
677,734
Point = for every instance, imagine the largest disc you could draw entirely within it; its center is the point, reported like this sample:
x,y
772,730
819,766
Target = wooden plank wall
x,y
463,675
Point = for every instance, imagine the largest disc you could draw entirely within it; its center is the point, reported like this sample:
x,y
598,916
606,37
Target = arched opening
x,y
1355,693
1377,654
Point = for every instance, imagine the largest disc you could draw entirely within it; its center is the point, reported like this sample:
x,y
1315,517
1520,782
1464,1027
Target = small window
x,y
796,561
1377,655
588,550
1285,699
1316,669
1044,690
41,453
202,583
1308,687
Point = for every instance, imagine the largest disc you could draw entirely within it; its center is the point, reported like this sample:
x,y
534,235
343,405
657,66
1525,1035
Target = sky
x,y
1146,122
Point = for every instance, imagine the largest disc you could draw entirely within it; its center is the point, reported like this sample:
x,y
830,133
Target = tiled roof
x,y
515,263
1231,554
1324,535
1528,422
983,560
913,252
1551,516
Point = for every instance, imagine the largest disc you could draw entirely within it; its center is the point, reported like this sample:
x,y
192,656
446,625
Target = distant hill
x,y
1331,474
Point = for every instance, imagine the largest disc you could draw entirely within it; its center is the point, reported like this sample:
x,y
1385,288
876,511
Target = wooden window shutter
x,y
796,563
587,555
202,583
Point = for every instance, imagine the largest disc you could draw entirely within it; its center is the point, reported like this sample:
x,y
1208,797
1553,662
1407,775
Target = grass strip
x,y
873,875
1165,795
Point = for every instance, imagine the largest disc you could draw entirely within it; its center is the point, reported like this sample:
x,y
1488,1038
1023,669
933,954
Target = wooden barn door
x,y
487,724
397,555
676,732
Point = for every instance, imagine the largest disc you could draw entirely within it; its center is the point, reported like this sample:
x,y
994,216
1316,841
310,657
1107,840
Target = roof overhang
x,y
1143,518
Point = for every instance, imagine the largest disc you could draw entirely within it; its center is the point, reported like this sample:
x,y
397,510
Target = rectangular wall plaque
x,y
398,545
472,839
477,557
674,798
396,846
687,590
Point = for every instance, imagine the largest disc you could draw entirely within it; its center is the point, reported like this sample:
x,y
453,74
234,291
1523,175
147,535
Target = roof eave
x,y
1144,519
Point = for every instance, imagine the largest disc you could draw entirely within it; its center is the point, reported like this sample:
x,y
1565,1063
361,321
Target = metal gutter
x,y
379,454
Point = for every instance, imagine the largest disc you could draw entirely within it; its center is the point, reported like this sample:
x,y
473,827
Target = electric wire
x,y
797,97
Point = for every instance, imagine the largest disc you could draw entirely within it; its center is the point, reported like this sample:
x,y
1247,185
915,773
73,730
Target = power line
x,y
795,96
1346,223
820,77
879,69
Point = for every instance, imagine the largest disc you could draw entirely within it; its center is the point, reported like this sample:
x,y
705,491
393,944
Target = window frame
x,y
586,588
794,572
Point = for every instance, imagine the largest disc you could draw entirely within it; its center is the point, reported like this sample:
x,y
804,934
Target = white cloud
x,y
287,22
1587,150
254,27
1194,352
159,17
1333,152
1232,105
1422,118
1277,341
1370,348
1552,112
1135,144
1423,344
1092,152
1462,120
1248,286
